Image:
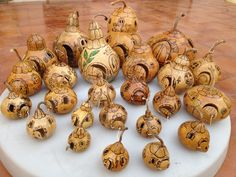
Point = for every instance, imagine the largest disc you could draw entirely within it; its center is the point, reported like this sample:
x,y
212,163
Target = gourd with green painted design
x,y
98,59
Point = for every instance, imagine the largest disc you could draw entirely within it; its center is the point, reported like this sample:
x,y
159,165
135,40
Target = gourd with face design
x,y
167,102
194,135
141,64
213,104
123,19
115,157
79,140
134,91
24,79
38,54
156,156
60,73
168,45
98,59
16,106
205,70
71,42
148,125
83,114
113,116
100,92
61,99
41,126
178,72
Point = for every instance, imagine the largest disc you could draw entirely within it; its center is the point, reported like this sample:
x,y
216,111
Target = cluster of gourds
x,y
170,56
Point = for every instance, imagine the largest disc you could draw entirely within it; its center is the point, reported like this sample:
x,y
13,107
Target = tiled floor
x,y
206,22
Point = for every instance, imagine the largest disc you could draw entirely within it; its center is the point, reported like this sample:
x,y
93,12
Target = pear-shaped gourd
x,y
205,70
113,116
167,102
194,135
122,31
60,73
15,106
24,79
207,103
38,54
61,99
123,19
115,157
148,125
183,78
79,140
134,91
141,64
83,114
41,125
71,42
101,92
168,45
98,59
156,156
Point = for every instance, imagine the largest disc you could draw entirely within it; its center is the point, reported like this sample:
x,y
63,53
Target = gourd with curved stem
x,y
155,155
168,45
24,79
205,70
115,157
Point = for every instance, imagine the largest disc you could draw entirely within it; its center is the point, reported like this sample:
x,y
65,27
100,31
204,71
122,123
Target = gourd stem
x,y
148,112
161,141
177,21
189,50
17,53
119,1
8,86
40,103
214,46
101,15
122,132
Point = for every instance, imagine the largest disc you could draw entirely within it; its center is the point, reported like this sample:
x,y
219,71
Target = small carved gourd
x,y
123,19
113,116
83,113
41,126
38,54
59,73
148,125
15,106
167,102
168,45
122,31
141,64
183,78
98,59
79,140
194,135
61,99
100,92
134,91
205,70
212,103
115,157
24,79
71,42
156,156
